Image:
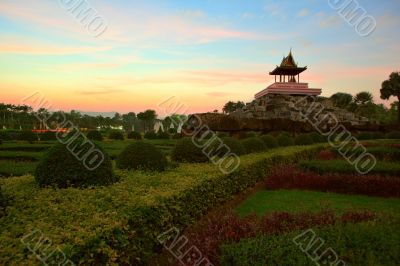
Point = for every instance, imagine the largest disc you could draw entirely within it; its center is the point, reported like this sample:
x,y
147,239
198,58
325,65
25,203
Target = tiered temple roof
x,y
287,83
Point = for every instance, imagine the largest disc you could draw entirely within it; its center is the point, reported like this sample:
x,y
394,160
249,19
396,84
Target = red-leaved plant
x,y
290,177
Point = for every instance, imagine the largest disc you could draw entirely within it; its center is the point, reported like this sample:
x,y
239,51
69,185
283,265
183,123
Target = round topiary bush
x,y
186,151
150,135
28,135
303,139
134,135
163,135
269,141
48,135
285,140
393,135
253,145
90,166
142,156
250,134
234,145
94,135
116,135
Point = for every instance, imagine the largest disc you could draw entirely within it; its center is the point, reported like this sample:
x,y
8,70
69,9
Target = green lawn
x,y
369,243
296,201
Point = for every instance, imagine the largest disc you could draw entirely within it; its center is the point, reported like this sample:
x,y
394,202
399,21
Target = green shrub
x,y
303,139
116,135
142,156
393,135
186,151
28,135
150,135
232,145
253,145
285,140
94,135
59,167
134,135
1,141
48,135
269,141
317,138
250,134
163,135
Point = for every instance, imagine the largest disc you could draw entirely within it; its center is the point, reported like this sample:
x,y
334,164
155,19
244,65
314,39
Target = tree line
x,y
23,117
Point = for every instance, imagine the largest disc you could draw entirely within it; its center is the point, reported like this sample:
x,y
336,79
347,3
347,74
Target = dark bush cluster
x,y
134,135
253,145
28,135
94,135
186,151
59,167
284,140
163,135
290,177
150,135
269,141
116,135
228,144
142,156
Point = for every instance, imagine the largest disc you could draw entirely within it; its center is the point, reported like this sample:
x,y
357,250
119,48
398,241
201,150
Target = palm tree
x,y
363,98
391,87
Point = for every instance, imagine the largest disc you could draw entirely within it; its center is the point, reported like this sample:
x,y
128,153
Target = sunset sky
x,y
204,53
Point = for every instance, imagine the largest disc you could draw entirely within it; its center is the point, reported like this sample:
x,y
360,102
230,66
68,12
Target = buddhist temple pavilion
x,y
287,80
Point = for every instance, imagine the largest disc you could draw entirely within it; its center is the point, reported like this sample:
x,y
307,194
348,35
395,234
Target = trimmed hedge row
x,y
119,224
148,222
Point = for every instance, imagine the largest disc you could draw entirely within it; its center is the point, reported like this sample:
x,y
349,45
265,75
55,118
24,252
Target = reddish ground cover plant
x,y
325,155
219,229
290,177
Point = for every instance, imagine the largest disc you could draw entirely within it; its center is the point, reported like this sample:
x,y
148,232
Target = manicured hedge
x,y
186,151
94,135
62,167
134,135
285,140
119,224
116,135
142,156
253,145
269,141
28,135
150,135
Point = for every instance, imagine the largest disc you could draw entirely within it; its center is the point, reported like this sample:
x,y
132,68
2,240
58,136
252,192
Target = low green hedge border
x,y
119,224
